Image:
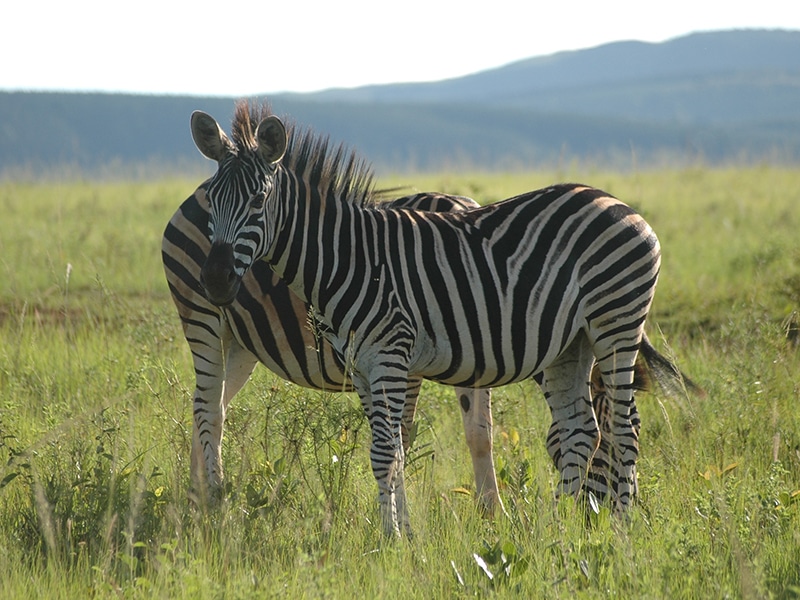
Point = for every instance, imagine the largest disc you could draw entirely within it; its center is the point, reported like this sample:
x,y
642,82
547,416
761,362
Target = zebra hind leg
x,y
601,463
599,476
617,372
476,413
574,436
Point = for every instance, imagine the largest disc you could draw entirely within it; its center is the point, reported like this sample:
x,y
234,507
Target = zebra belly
x,y
479,365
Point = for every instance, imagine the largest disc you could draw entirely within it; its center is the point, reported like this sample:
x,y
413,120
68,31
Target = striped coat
x,y
541,285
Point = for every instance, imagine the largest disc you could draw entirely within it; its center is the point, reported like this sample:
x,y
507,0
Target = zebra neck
x,y
321,247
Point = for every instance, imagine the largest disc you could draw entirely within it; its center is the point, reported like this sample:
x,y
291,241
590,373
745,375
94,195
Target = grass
x,y
96,380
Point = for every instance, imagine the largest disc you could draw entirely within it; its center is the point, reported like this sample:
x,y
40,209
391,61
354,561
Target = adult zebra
x,y
267,323
536,286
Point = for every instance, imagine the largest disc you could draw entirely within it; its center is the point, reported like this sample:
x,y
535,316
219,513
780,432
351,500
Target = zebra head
x,y
238,194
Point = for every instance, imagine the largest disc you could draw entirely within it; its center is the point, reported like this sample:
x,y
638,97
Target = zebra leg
x,y
601,464
400,500
636,424
383,400
221,369
617,372
598,477
406,426
553,443
574,435
209,370
476,413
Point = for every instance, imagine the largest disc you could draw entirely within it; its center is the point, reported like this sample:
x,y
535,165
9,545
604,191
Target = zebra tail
x,y
668,376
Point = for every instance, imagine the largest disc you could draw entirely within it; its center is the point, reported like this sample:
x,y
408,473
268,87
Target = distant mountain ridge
x,y
737,52
629,79
717,97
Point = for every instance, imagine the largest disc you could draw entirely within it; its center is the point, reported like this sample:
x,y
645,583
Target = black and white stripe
x,y
540,285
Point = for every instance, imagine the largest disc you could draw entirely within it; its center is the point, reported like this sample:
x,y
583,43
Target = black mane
x,y
332,169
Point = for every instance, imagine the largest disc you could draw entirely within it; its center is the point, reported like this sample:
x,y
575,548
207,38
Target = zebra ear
x,y
272,139
209,137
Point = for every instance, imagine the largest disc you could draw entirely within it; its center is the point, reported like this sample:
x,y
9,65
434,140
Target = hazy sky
x,y
243,47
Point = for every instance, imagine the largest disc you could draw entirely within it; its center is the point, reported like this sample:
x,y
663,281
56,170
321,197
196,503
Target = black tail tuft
x,y
664,371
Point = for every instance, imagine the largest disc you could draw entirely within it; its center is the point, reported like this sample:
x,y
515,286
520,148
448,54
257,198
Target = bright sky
x,y
248,47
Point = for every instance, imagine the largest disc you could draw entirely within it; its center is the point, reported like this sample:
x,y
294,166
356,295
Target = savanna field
x,y
95,424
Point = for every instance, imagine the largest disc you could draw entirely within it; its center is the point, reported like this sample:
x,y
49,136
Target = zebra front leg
x,y
221,369
207,409
476,414
383,402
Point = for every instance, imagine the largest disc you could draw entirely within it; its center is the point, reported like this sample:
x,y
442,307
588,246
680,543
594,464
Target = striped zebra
x,y
267,323
541,285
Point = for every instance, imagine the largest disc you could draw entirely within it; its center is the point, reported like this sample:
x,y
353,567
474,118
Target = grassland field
x,y
95,424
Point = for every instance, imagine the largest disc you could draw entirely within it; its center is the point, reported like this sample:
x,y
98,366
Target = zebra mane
x,y
246,117
334,170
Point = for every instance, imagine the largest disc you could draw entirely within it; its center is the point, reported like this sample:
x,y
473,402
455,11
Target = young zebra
x,y
269,324
539,285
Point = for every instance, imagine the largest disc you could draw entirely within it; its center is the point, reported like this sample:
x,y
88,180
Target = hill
x,y
669,80
719,96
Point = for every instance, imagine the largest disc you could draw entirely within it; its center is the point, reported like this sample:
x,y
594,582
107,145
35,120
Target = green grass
x,y
95,430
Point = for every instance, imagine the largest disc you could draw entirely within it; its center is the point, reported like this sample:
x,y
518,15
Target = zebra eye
x,y
257,202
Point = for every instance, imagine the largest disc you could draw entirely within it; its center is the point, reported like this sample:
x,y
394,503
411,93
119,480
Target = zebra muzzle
x,y
218,276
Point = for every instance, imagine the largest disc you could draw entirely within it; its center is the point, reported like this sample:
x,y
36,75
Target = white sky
x,y
247,47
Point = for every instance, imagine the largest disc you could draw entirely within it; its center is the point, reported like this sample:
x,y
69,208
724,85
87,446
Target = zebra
x,y
267,323
540,285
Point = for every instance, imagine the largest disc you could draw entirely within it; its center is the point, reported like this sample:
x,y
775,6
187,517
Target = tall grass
x,y
95,425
